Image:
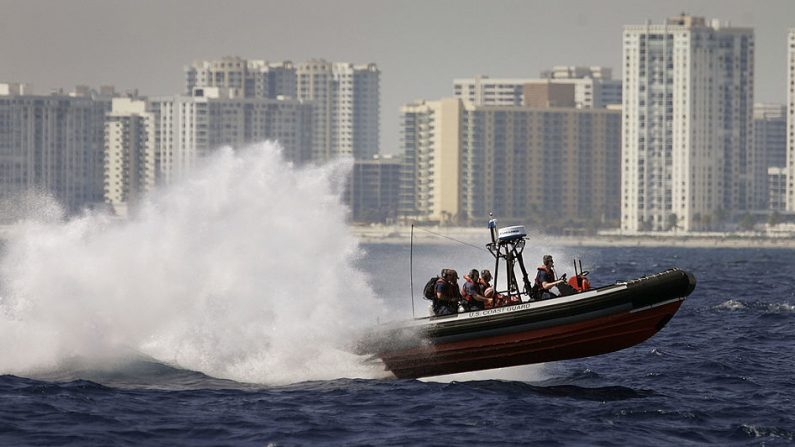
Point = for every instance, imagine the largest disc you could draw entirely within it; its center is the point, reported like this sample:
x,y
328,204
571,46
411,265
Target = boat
x,y
574,325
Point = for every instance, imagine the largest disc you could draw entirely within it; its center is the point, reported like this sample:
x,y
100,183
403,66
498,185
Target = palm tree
x,y
774,219
672,222
747,222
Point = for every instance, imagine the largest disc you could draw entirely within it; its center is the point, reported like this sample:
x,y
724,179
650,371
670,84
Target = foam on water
x,y
241,271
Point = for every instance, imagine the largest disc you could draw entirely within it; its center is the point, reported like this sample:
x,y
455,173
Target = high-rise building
x,y
770,142
346,114
187,128
593,88
687,155
577,72
345,97
791,121
430,133
53,143
548,95
540,165
483,90
129,154
374,188
770,133
777,188
242,77
546,166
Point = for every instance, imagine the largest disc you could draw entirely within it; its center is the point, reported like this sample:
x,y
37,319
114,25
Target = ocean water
x,y
224,315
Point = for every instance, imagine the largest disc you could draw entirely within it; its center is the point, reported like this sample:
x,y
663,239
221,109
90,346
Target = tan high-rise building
x,y
547,94
529,165
544,166
430,134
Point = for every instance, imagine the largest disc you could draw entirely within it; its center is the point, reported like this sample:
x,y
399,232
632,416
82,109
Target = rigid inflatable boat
x,y
580,324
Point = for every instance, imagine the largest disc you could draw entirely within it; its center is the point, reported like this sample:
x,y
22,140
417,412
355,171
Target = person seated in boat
x,y
497,299
447,293
472,292
546,280
485,284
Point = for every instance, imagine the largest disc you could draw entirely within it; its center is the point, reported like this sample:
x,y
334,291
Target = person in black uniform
x,y
545,278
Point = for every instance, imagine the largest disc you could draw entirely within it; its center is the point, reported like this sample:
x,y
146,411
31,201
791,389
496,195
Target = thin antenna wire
x,y
452,239
411,271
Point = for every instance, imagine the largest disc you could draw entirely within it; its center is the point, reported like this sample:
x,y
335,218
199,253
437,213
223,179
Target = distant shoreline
x,y
480,236
443,235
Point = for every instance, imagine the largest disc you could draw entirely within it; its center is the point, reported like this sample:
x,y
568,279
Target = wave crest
x,y
243,270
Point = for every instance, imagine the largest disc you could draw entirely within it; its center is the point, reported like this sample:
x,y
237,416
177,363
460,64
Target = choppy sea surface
x,y
720,373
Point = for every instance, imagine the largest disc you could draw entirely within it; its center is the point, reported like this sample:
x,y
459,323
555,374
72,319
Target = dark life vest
x,y
547,270
538,290
450,291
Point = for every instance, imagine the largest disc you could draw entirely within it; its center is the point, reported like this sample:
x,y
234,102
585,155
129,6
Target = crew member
x,y
472,292
545,279
447,294
485,285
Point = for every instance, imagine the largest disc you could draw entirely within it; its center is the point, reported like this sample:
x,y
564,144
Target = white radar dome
x,y
511,233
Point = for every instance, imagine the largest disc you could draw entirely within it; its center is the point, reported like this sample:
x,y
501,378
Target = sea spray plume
x,y
30,204
242,271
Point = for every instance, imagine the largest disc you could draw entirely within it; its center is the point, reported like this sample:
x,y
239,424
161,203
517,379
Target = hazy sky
x,y
420,46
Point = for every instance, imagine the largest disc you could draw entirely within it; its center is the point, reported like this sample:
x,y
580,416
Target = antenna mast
x,y
507,244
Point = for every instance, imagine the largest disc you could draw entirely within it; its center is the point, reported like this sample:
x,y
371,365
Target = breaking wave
x,y
243,271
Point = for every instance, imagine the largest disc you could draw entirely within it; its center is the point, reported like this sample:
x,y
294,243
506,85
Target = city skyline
x,y
419,47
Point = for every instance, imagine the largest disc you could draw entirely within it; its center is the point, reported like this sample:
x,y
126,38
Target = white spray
x,y
242,271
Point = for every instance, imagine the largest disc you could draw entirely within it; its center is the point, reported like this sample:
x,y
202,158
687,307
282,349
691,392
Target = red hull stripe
x,y
580,339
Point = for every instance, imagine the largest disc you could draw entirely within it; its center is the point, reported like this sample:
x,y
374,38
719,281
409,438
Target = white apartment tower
x,y
687,150
791,121
346,100
483,90
242,77
345,97
188,128
53,143
129,154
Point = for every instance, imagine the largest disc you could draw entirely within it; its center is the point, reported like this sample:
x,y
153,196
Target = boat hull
x,y
582,325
